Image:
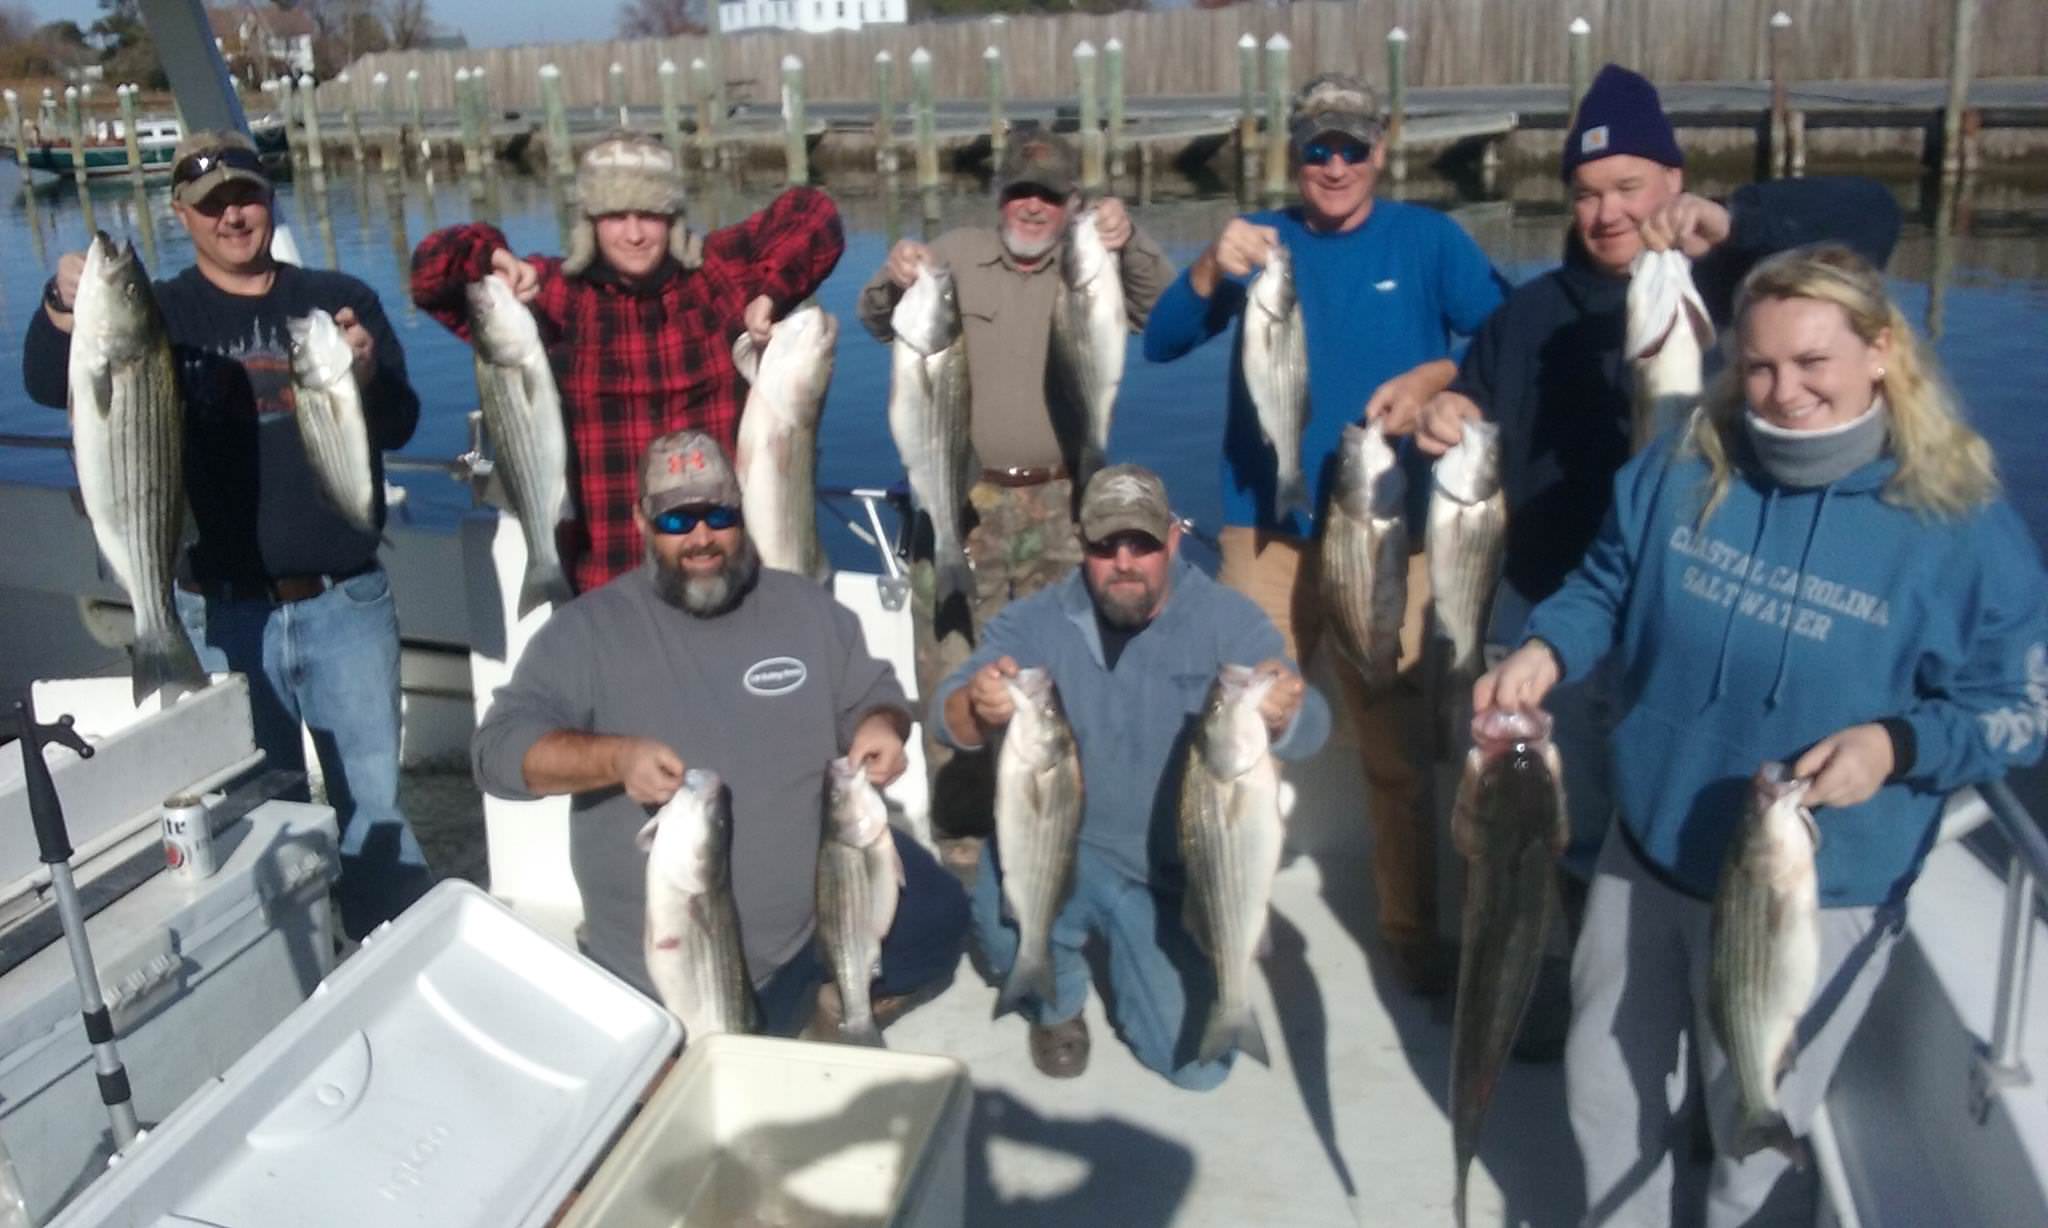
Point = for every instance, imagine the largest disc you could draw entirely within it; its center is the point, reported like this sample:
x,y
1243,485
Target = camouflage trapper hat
x,y
1335,102
629,172
684,468
1037,158
206,159
1124,499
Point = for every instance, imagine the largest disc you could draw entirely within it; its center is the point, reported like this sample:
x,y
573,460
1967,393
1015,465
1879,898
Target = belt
x,y
275,590
1024,475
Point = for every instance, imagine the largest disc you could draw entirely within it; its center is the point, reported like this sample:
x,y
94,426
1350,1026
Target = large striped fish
x,y
929,407
1666,340
1275,364
1365,553
530,444
693,926
777,456
1038,827
328,407
1467,538
128,436
1089,336
860,877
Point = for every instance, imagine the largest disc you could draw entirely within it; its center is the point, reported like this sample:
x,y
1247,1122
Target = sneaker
x,y
1060,1050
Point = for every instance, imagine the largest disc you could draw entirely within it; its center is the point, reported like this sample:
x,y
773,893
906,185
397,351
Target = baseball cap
x,y
206,159
683,468
1122,499
1335,102
1038,159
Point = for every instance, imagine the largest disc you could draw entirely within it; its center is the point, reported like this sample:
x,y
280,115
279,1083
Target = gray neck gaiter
x,y
1807,459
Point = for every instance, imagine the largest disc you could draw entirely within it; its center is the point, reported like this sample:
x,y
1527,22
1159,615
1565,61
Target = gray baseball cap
x,y
1123,499
1039,159
206,159
683,468
1335,102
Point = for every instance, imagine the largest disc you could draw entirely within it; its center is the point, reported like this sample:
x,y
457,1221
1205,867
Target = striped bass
x,y
1365,553
929,410
1509,822
328,406
1038,827
777,454
1275,365
128,435
1089,335
1765,952
1467,538
693,927
1667,337
1230,840
530,444
860,876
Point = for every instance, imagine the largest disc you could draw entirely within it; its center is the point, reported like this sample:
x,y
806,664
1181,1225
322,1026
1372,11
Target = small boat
x,y
156,139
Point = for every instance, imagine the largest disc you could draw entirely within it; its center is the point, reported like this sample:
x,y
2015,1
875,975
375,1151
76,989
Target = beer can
x,y
188,840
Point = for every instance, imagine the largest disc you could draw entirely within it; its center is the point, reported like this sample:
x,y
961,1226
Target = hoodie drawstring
x,y
1785,645
1763,520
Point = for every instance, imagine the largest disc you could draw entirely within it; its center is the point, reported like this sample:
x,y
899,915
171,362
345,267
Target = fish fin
x,y
544,583
867,1035
165,661
952,577
1237,1030
1030,976
644,838
1291,496
1465,808
1768,1130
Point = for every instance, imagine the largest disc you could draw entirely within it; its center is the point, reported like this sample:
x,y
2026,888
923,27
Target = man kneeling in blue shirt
x,y
1132,640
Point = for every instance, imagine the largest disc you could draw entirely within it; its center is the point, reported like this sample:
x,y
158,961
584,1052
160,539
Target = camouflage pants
x,y
1020,539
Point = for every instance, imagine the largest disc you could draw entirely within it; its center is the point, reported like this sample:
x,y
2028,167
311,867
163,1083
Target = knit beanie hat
x,y
1620,114
629,172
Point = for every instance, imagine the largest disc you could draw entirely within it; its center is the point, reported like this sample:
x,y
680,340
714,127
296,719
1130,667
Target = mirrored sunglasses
x,y
677,521
1351,149
1139,544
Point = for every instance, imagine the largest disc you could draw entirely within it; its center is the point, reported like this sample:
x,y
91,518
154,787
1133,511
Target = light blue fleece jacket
x,y
1790,615
1375,301
1130,722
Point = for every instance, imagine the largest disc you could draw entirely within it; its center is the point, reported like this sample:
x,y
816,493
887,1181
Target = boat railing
x,y
2000,1064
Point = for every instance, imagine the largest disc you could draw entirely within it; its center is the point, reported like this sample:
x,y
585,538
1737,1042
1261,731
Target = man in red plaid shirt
x,y
640,317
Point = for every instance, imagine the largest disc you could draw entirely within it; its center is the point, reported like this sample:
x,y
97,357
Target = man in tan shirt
x,y
1021,530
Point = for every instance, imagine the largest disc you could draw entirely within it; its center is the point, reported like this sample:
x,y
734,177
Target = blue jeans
x,y
331,662
1159,981
922,946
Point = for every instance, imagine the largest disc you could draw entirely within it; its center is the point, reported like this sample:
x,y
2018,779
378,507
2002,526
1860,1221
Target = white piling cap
x,y
791,63
48,92
70,91
412,74
883,57
1780,19
698,65
462,74
1246,40
920,56
1083,48
990,54
548,72
306,80
10,95
478,71
381,78
1397,35
667,68
1579,26
1113,44
1278,43
341,78
617,69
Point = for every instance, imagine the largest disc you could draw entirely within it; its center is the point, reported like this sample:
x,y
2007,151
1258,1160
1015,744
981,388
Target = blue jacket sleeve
x,y
1984,704
1582,620
1182,320
1470,287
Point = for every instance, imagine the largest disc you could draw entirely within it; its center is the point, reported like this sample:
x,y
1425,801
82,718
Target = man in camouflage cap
x,y
1021,531
1383,286
1132,640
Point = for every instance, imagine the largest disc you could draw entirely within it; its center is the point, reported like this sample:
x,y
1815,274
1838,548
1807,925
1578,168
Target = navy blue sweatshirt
x,y
1547,367
255,501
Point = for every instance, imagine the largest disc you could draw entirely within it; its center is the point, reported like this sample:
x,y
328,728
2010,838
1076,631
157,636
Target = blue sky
x,y
488,23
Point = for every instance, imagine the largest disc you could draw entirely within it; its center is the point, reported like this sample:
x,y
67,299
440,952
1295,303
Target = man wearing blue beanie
x,y
1548,369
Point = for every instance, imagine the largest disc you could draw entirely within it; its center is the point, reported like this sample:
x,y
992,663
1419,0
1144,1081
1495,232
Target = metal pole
x,y
1397,100
1779,160
671,110
2015,957
76,118
998,121
707,110
1278,82
794,133
1578,45
1247,113
561,161
1113,87
1086,84
1961,66
126,95
615,93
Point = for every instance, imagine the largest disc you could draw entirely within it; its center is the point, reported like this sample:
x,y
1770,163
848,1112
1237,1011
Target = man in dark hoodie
x,y
1548,368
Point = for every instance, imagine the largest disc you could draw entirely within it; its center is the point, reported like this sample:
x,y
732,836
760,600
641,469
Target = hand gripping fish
x,y
1089,335
1765,952
1038,827
1666,341
1509,822
328,407
523,411
860,877
1365,554
777,454
693,947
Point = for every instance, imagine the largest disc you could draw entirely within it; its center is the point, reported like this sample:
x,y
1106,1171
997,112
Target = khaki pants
x,y
1280,573
1020,539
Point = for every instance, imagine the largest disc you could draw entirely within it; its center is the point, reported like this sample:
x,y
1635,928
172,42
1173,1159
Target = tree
x,y
658,18
406,23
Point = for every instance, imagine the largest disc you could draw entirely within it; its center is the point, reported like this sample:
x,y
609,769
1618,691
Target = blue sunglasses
x,y
675,522
1351,149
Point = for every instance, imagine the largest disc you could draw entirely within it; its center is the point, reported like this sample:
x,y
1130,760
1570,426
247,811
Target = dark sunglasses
x,y
675,522
205,160
1139,544
1037,192
1351,149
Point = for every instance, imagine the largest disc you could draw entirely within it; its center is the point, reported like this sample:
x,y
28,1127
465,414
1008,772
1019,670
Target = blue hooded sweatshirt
x,y
1792,614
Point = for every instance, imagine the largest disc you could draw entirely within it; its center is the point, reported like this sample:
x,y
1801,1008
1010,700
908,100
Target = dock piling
x,y
925,127
1278,82
1961,66
74,115
287,110
561,161
1778,159
1113,89
707,113
418,108
1397,102
1087,86
885,113
392,154
16,134
309,102
1795,143
793,129
1578,47
1247,114
671,110
615,94
470,120
998,122
352,118
125,95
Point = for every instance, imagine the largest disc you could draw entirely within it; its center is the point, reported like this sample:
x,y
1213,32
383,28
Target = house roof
x,y
278,23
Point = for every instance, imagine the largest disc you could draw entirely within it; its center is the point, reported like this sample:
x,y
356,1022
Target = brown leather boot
x,y
1060,1050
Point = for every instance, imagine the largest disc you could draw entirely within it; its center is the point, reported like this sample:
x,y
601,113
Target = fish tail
x,y
1458,1197
165,659
954,577
1237,1029
1292,495
1768,1129
865,1034
1088,464
1030,977
544,582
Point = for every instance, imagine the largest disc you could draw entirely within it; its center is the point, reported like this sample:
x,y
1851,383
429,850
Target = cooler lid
x,y
461,1069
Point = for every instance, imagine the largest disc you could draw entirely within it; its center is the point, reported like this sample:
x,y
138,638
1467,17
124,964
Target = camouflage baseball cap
x,y
1335,102
1123,499
683,468
206,159
1039,159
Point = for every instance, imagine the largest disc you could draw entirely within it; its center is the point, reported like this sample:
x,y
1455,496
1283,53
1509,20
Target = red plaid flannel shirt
x,y
634,363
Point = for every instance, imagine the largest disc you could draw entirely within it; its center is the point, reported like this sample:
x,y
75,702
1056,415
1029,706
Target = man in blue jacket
x,y
1383,286
1132,639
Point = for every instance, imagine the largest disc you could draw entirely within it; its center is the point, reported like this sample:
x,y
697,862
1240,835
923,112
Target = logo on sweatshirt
x,y
1386,286
774,676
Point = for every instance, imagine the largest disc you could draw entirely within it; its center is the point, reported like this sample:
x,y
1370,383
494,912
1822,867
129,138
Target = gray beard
x,y
709,596
1124,614
1028,251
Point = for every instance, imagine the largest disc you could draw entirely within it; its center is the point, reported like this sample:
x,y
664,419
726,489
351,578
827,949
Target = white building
x,y
811,16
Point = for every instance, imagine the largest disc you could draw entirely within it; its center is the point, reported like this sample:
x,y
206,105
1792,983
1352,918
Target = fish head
x,y
1469,471
1233,737
1083,257
855,814
1498,731
1272,290
320,355
805,341
689,838
115,303
1037,722
1664,311
927,317
1777,801
500,326
1370,480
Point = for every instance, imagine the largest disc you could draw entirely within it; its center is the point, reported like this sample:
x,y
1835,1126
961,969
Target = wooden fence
x,y
1194,51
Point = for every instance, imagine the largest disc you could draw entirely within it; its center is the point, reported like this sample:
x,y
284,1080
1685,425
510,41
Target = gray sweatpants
x,y
1639,1012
